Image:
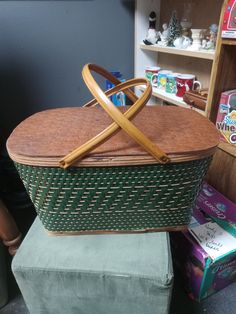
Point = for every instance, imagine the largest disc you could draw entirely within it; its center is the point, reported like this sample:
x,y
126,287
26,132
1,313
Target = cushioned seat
x,y
3,277
94,274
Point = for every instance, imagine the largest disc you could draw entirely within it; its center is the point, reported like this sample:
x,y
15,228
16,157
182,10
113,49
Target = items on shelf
x,y
182,42
196,42
150,71
159,80
186,22
164,36
197,99
175,30
184,83
209,264
152,34
172,83
229,21
226,117
179,34
208,37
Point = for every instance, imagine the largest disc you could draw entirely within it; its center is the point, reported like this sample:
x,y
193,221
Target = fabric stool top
x,y
119,273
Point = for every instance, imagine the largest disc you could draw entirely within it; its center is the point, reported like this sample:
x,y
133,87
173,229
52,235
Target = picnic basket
x,y
123,176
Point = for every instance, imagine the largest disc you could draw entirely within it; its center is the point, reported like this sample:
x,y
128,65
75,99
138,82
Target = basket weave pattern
x,y
114,198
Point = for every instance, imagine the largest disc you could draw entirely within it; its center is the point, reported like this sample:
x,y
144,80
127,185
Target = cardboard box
x,y
226,117
218,207
209,260
229,21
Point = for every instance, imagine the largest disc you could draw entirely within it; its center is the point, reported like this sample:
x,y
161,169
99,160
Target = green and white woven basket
x,y
128,198
130,183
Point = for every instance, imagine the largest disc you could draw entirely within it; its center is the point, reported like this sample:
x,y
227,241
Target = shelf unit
x,y
173,99
202,54
198,63
222,173
216,71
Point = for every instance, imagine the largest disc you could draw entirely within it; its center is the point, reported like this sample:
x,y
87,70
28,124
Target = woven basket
x,y
129,183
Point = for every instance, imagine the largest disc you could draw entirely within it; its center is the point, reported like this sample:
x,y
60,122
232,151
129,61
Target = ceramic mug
x,y
171,85
159,80
149,71
185,82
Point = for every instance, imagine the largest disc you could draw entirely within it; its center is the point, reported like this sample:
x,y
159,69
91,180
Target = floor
x,y
223,302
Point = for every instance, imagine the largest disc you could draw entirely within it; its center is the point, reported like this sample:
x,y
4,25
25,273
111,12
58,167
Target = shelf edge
x,y
189,53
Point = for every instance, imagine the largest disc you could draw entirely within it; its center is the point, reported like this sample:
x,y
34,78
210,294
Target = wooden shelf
x,y
209,55
230,42
228,148
173,99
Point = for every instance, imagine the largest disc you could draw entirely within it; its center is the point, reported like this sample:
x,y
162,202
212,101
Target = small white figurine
x,y
152,35
164,35
182,42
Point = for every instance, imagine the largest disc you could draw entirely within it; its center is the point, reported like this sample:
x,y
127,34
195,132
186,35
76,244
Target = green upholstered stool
x,y
94,274
3,277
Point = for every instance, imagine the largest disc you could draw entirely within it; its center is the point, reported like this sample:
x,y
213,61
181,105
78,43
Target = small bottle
x,y
118,99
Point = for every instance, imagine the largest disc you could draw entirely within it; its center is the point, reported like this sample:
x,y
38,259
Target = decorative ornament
x,y
164,35
208,37
152,35
196,44
182,42
186,22
175,29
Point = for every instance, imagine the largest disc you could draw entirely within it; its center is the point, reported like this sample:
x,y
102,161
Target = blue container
x,y
118,99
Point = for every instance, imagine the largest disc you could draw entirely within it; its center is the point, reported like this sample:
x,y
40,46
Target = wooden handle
x,y
129,93
113,128
121,120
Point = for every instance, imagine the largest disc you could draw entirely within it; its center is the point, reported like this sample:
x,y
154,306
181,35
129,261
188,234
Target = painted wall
x,y
44,45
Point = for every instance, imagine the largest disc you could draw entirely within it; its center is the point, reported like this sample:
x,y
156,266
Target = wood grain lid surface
x,y
49,135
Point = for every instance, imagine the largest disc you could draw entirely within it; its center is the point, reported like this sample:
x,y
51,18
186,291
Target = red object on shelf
x,y
229,21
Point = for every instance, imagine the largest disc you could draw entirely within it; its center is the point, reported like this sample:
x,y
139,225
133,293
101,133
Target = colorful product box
x,y
218,207
229,21
226,117
209,260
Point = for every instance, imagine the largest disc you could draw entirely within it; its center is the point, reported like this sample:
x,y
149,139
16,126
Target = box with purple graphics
x,y
226,117
209,260
218,207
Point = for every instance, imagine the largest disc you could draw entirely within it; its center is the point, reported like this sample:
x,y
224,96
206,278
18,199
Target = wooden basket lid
x,y
45,137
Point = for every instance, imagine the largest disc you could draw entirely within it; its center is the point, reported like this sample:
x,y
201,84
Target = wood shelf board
x,y
173,99
208,55
229,42
228,148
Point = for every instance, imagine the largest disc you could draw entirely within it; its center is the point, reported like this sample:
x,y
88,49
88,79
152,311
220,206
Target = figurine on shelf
x,y
186,21
175,29
213,36
164,35
196,40
182,42
152,35
208,37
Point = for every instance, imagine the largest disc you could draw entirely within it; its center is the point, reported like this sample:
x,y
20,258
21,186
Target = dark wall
x,y
44,45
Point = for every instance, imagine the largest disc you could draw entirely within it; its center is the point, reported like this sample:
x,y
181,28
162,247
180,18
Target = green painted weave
x,y
122,198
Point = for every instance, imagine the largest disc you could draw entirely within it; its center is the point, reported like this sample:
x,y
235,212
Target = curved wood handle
x,y
110,77
120,119
113,128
